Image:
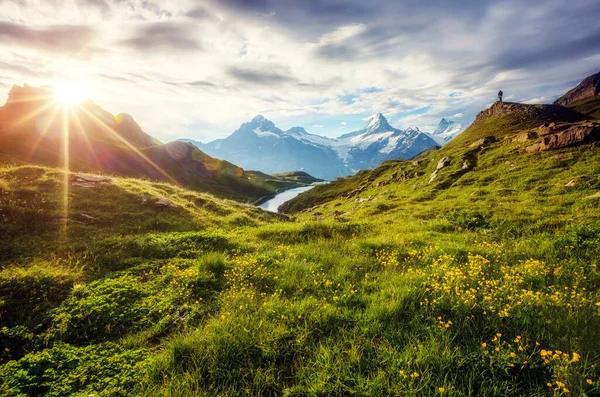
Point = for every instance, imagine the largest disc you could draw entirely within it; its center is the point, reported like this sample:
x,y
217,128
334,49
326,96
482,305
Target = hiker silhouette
x,y
500,93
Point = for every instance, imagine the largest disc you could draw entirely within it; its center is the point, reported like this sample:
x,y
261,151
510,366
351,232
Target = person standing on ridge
x,y
500,93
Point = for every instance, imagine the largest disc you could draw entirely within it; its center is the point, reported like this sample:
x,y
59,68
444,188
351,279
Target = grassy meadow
x,y
483,282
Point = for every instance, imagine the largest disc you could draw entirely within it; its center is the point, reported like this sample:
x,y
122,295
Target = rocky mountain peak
x,y
590,86
377,123
298,130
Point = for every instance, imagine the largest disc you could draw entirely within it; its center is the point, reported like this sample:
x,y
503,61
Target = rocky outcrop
x,y
590,86
555,136
524,112
483,142
164,203
90,181
444,161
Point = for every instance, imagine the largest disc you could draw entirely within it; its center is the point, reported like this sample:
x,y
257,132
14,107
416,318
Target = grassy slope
x,y
588,106
457,287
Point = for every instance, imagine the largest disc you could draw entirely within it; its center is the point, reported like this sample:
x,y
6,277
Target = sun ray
x,y
44,131
83,134
129,145
32,98
65,154
32,114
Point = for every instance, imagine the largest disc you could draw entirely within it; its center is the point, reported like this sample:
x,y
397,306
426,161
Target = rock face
x,y
590,86
523,111
555,136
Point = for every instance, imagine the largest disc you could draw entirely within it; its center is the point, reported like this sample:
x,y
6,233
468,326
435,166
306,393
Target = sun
x,y
70,93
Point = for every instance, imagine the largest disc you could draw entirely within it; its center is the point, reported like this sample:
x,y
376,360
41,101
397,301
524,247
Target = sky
x,y
199,68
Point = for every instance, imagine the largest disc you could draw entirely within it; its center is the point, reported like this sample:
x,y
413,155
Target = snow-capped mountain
x,y
446,131
260,145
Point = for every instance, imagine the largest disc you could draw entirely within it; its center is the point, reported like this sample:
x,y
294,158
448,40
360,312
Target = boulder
x,y
575,181
483,142
86,217
164,203
466,166
566,135
444,161
91,178
594,196
90,181
433,175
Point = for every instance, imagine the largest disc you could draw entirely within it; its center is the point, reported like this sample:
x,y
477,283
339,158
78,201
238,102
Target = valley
x,y
470,269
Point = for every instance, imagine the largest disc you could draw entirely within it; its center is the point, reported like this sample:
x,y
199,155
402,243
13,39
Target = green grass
x,y
483,282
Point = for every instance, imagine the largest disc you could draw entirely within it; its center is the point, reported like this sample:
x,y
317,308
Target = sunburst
x,y
63,106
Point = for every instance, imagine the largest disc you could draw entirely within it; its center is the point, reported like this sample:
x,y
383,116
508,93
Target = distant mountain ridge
x,y
446,131
36,128
259,144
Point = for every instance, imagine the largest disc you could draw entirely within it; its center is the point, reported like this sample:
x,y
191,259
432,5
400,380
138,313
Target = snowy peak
x,y
377,123
446,131
297,130
259,144
261,124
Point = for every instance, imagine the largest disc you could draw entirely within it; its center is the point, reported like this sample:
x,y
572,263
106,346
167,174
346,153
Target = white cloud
x,y
318,126
218,66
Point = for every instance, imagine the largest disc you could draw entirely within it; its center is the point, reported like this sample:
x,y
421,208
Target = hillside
x,y
498,135
33,126
470,270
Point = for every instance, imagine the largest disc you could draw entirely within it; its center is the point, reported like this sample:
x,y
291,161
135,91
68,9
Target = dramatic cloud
x,y
165,36
270,76
57,38
199,68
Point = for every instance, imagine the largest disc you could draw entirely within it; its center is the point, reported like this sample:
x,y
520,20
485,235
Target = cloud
x,y
200,13
458,116
55,38
268,76
343,123
218,63
163,36
317,126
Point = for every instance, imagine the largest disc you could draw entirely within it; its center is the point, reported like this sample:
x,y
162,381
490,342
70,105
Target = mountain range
x,y
259,144
36,128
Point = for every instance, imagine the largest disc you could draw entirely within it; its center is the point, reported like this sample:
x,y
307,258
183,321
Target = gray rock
x,y
434,175
164,203
91,178
444,161
86,217
595,196
483,142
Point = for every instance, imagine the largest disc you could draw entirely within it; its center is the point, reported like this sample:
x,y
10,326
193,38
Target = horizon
x,y
208,67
